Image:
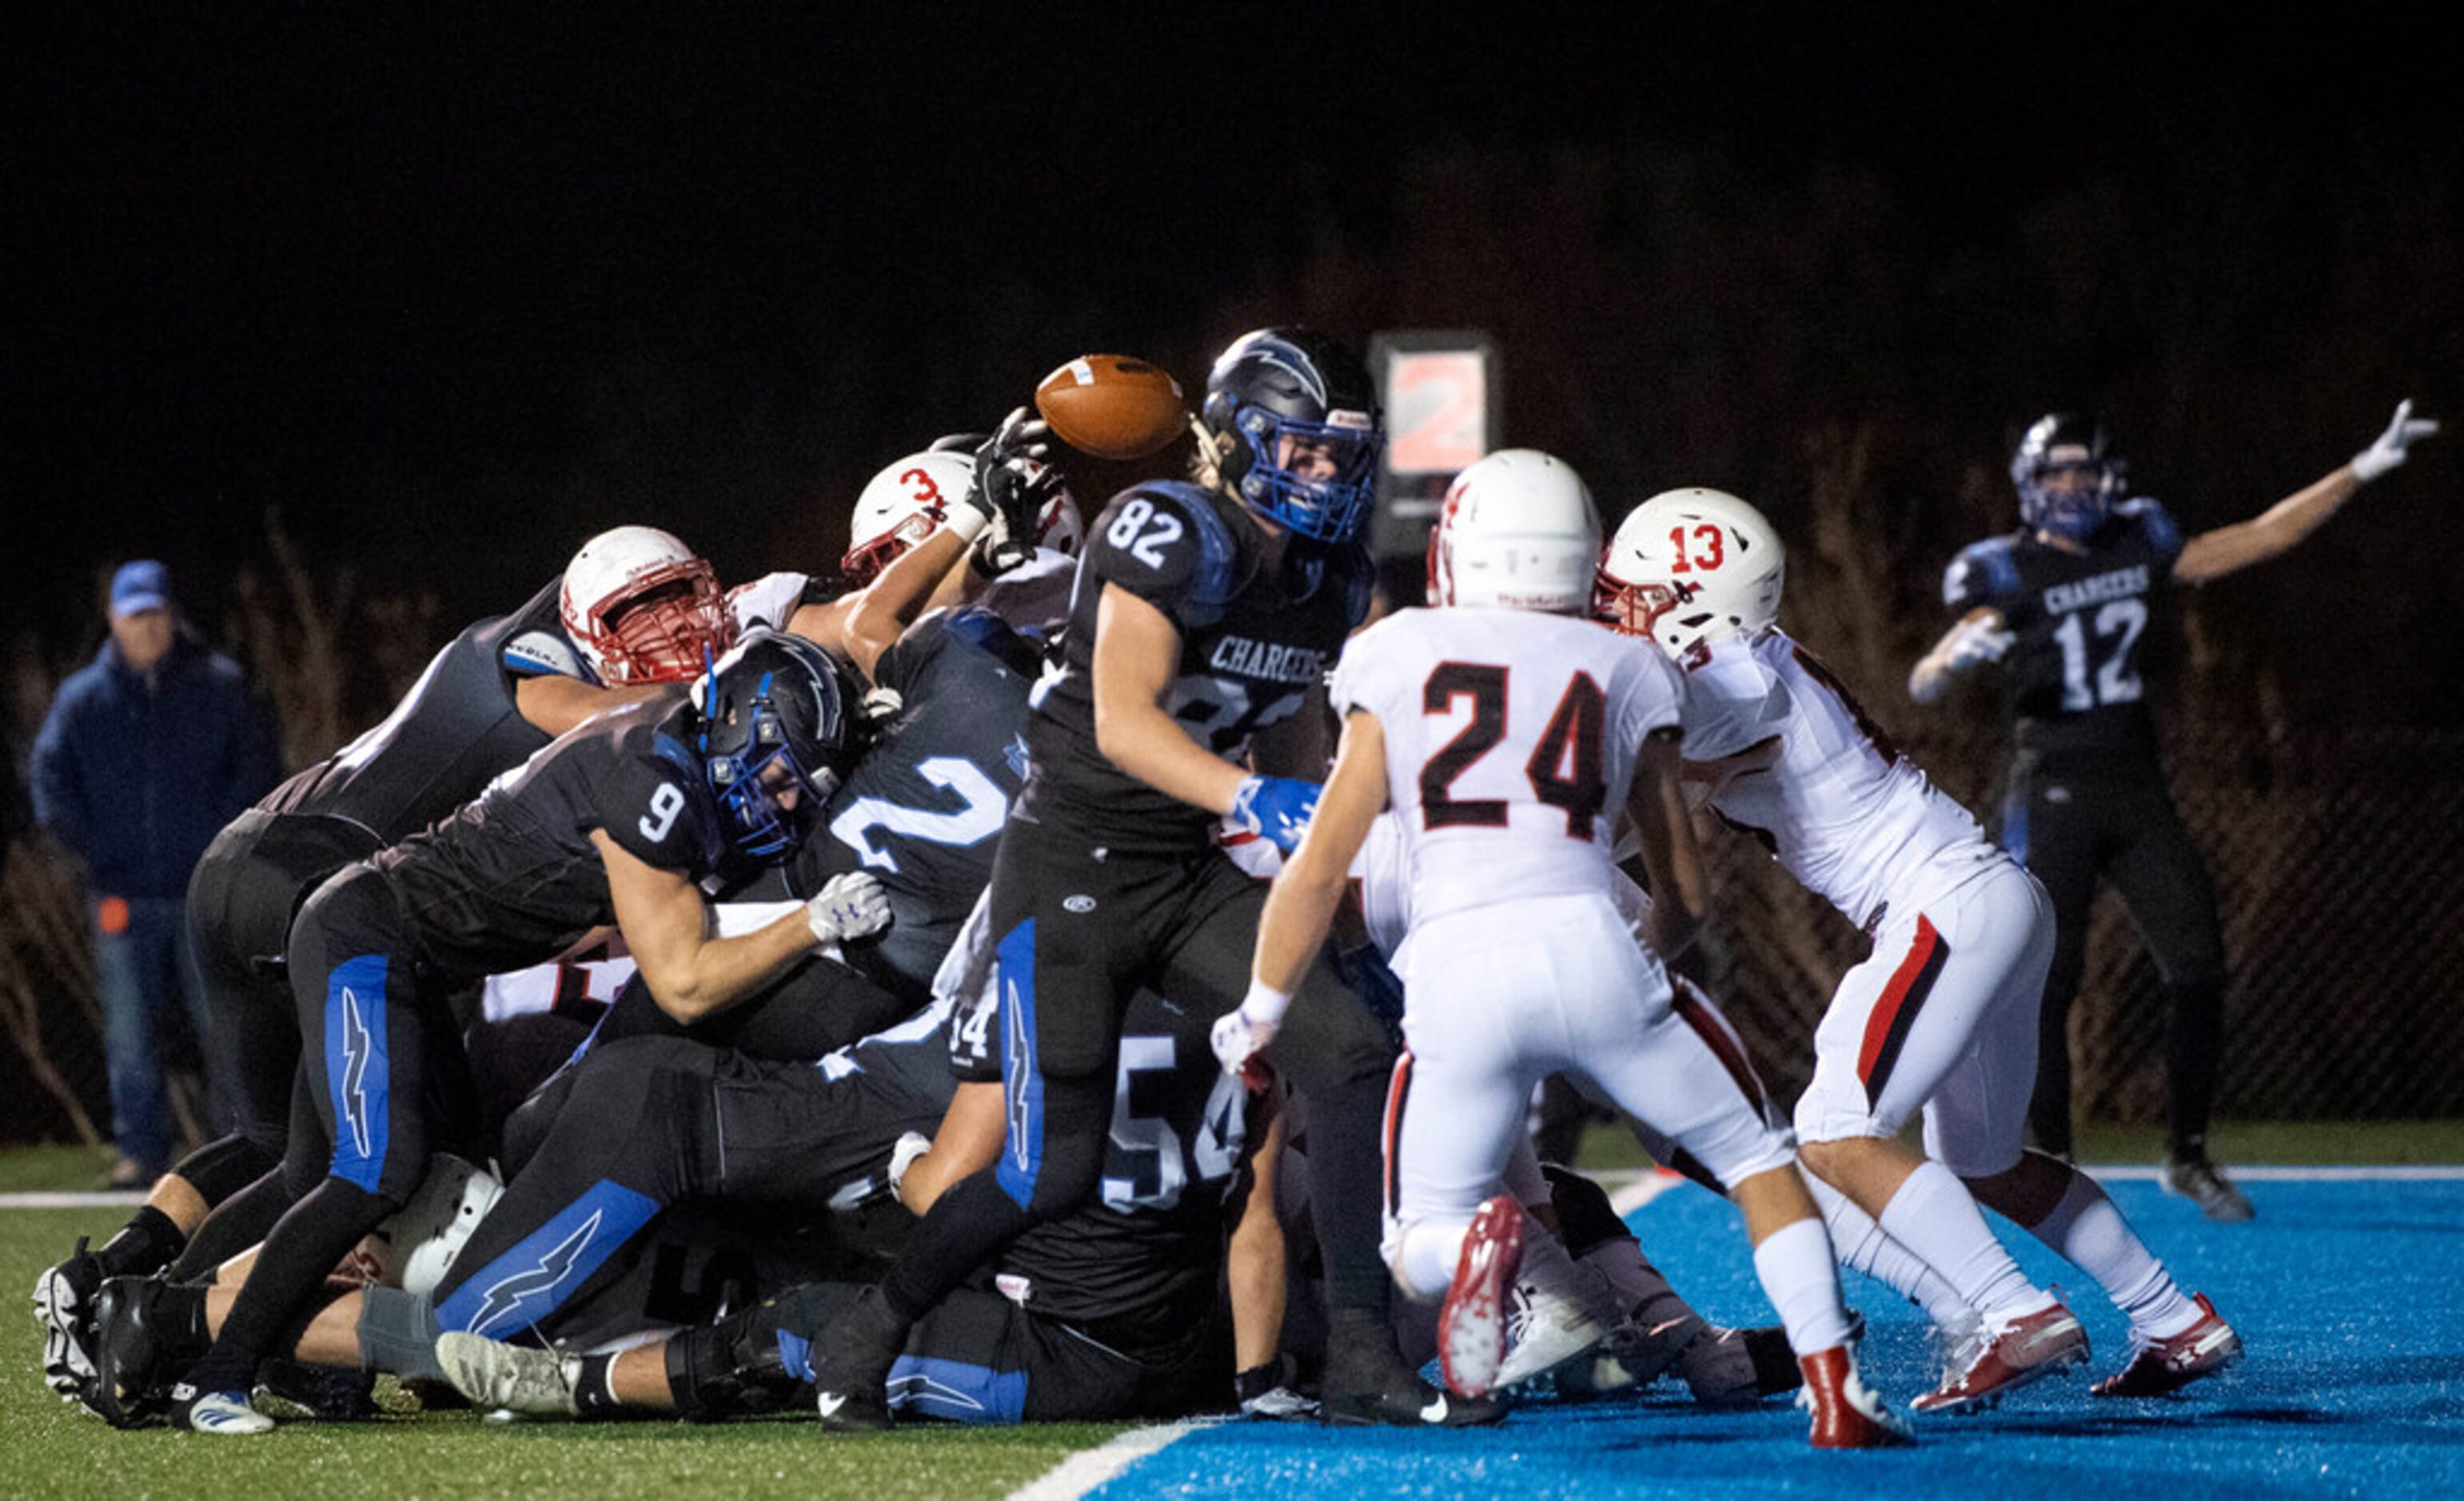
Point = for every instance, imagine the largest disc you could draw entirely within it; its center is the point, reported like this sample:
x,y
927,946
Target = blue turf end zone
x,y
2346,1293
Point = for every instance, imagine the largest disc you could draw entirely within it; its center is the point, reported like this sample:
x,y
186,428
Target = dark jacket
x,y
137,778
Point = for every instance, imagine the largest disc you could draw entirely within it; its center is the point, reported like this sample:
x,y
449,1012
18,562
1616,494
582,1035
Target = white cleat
x,y
217,1412
518,1379
1542,1331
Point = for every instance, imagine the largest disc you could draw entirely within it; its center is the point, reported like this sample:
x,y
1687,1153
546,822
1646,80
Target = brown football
x,y
1113,407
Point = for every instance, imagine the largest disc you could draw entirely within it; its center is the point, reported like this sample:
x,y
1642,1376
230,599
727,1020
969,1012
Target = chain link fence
x,y
2333,853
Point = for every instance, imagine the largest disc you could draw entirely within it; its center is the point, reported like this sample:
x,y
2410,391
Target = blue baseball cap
x,y
143,585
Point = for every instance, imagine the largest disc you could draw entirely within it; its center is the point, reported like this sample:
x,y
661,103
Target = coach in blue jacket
x,y
147,752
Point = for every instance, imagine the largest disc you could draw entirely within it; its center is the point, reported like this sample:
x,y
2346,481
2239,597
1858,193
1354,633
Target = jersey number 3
x,y
1565,769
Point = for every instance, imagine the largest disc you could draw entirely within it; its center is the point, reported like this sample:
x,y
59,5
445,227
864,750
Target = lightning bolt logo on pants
x,y
508,1293
356,1048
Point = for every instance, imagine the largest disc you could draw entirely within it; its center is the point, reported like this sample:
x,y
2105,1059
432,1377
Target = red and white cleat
x,y
1472,1325
1847,1413
2003,1360
2157,1366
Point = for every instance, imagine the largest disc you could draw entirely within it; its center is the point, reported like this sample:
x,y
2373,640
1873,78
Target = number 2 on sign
x,y
1706,536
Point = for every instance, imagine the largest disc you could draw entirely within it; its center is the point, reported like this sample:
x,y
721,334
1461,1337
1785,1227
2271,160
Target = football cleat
x,y
64,1304
1734,1367
128,1353
1995,1362
2209,1347
1544,1330
1471,1324
215,1412
497,1377
2200,1181
851,1362
1366,1381
1846,1412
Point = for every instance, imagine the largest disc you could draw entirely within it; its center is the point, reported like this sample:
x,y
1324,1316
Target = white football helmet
x,y
415,1246
642,607
902,506
1691,566
1519,532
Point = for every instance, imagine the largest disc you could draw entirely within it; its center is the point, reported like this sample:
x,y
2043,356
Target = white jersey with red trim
x,y
1510,741
770,601
1837,806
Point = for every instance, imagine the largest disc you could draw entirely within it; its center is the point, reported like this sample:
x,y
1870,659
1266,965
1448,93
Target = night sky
x,y
451,290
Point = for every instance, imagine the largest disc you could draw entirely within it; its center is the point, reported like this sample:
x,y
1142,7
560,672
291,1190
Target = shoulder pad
x,y
1201,555
542,653
1982,572
996,638
2155,523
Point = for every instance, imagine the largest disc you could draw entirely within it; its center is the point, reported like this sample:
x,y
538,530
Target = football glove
x,y
1975,642
1239,1039
2387,451
911,1145
1276,808
1266,1394
1011,488
849,906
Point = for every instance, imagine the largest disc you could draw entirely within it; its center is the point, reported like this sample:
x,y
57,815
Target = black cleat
x,y
64,1305
851,1362
1366,1381
2202,1183
129,1353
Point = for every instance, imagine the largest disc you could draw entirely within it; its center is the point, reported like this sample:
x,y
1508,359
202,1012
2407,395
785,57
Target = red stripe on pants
x,y
1895,995
1398,1089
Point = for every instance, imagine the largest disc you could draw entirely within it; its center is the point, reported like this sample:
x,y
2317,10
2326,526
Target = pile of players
x,y
953,1060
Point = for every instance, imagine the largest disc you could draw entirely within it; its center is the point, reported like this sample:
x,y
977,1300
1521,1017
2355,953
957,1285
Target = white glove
x,y
850,905
910,1146
1239,1038
1975,642
2389,450
880,706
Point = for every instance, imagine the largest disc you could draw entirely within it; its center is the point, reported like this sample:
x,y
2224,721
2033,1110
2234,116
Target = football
x,y
1113,407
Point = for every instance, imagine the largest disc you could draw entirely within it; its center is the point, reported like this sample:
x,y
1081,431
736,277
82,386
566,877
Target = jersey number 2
x,y
1565,769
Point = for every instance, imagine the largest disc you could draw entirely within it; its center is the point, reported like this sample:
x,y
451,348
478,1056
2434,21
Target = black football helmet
x,y
775,715
2067,442
1297,433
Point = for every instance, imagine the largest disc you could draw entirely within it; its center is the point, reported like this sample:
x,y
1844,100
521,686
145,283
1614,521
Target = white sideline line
x,y
105,1199
1631,1189
1083,1471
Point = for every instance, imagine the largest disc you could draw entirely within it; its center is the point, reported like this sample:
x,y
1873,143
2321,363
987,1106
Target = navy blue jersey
x,y
1254,641
2073,677
449,737
923,809
512,879
1147,1252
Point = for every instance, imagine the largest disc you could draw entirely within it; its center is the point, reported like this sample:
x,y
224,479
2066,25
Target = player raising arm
x,y
2062,606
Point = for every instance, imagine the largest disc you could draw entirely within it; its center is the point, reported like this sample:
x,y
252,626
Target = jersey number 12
x,y
2115,683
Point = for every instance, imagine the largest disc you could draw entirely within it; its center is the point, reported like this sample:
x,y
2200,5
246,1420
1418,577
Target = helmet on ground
x,y
776,732
1518,531
642,607
1292,422
2069,473
1690,566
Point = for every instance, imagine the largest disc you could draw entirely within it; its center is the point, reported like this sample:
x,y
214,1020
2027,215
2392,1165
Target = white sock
x,y
1862,1247
1424,1263
1802,1282
1933,1216
2092,1235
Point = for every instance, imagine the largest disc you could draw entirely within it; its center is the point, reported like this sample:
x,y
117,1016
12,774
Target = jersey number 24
x,y
1565,769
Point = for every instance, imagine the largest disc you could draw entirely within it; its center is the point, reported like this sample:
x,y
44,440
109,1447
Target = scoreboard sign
x,y
1439,391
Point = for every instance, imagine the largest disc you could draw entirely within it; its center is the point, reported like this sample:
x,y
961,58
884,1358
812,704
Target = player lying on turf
x,y
1503,727
1941,1017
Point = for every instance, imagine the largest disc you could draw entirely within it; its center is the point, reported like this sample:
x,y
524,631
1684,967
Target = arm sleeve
x,y
770,601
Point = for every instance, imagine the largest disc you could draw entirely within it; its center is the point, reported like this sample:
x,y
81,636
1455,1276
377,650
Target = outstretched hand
x,y
2389,450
